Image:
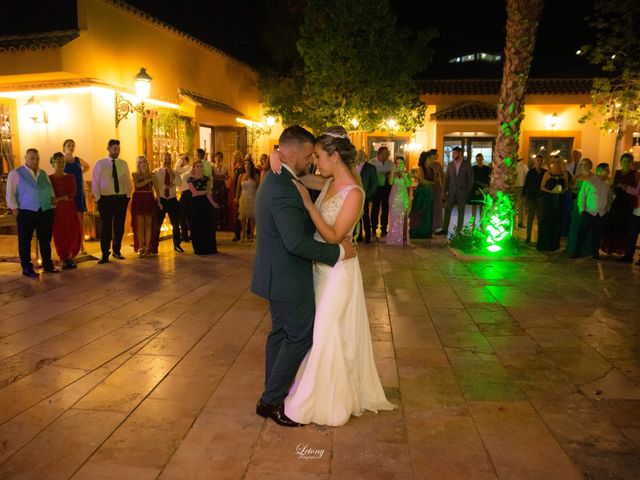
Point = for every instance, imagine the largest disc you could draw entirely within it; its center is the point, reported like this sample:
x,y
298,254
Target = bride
x,y
338,377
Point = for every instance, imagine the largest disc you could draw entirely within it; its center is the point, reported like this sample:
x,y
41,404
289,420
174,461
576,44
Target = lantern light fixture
x,y
124,107
36,111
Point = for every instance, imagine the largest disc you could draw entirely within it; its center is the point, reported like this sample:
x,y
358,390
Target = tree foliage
x,y
356,64
615,97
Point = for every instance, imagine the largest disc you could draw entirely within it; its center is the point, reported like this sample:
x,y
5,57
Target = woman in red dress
x,y
144,209
67,231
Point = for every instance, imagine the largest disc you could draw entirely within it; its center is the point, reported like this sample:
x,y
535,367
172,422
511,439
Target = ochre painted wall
x,y
594,143
116,43
113,44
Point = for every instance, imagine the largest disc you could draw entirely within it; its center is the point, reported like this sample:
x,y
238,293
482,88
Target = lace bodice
x,y
330,208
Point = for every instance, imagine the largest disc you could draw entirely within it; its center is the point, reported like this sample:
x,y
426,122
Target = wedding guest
x,y
144,209
634,229
438,188
220,191
582,175
168,180
76,167
593,202
111,188
246,199
399,205
369,177
554,185
573,166
567,199
203,231
420,217
29,195
238,169
207,166
616,230
458,184
533,195
264,165
67,232
184,170
518,186
380,200
481,180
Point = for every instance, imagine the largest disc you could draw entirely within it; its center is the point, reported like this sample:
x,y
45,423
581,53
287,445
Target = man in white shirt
x,y
380,198
573,167
168,180
594,200
30,195
521,174
111,188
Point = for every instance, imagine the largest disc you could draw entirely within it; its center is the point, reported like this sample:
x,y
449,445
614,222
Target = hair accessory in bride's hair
x,y
335,135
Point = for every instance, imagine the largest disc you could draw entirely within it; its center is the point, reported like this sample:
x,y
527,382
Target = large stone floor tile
x,y
538,456
49,456
124,389
445,444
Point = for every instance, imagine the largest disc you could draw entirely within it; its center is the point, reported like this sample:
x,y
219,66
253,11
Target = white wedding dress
x,y
338,377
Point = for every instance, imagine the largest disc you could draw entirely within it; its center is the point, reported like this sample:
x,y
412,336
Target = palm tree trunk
x,y
522,23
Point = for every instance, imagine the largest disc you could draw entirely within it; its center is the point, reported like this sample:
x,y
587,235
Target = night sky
x,y
236,26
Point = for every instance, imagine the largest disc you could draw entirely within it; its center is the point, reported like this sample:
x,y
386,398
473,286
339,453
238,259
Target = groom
x,y
282,271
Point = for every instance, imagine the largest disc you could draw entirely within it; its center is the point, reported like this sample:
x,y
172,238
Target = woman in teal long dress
x,y
421,215
587,249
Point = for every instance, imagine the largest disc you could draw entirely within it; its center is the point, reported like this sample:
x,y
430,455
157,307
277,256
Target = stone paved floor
x,y
150,368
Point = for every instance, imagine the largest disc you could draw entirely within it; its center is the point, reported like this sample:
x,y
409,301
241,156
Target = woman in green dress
x,y
421,215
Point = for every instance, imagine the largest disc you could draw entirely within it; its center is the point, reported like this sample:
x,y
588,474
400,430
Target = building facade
x,y
79,84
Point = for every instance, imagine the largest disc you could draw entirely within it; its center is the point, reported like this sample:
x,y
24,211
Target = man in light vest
x,y
30,198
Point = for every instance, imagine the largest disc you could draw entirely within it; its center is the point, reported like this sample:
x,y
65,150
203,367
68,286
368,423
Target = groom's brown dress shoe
x,y
275,413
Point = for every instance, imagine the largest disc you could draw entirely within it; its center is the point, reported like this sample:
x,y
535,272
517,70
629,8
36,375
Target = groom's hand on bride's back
x,y
349,248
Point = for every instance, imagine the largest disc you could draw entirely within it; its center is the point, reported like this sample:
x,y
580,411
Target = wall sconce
x,y
552,121
257,129
36,111
124,107
355,123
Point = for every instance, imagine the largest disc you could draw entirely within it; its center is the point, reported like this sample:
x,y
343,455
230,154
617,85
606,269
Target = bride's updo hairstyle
x,y
336,139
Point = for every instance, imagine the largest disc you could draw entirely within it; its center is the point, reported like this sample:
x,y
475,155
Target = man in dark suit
x,y
458,184
282,271
369,177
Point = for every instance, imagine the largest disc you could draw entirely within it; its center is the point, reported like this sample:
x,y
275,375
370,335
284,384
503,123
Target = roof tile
x,y
467,111
542,86
37,41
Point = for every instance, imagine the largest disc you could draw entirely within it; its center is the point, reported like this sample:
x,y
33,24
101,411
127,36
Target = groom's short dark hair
x,y
297,134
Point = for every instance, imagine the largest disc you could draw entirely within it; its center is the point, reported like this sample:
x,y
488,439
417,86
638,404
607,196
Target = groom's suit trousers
x,y
289,341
